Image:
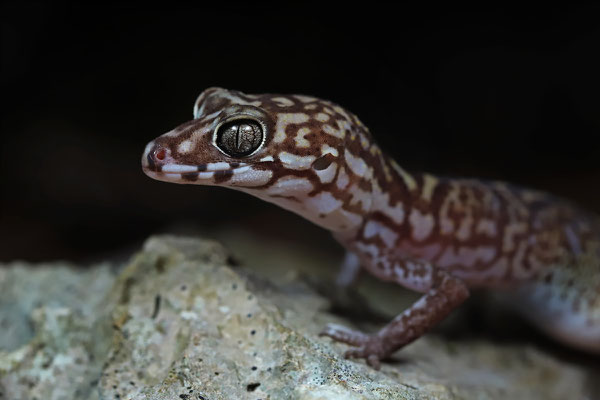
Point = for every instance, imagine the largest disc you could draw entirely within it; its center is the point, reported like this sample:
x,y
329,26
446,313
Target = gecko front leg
x,y
442,293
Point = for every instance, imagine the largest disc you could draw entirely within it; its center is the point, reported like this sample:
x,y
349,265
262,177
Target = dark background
x,y
492,92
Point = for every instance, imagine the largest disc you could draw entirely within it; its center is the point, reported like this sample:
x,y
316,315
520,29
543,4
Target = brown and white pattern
x,y
433,235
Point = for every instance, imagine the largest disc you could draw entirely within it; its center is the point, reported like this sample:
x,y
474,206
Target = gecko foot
x,y
369,347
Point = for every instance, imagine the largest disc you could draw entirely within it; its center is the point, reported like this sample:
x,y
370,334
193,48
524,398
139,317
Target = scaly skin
x,y
434,235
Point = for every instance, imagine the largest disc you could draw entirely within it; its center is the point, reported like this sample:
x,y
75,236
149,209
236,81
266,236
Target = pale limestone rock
x,y
179,323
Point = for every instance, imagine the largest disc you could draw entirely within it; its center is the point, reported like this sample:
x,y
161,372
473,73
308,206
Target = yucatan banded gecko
x,y
437,236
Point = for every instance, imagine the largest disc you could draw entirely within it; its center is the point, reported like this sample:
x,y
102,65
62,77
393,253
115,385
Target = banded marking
x,y
185,147
422,224
375,228
357,165
324,202
283,101
300,140
293,161
290,186
285,119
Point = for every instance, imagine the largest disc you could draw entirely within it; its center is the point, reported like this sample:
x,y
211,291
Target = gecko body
x,y
434,235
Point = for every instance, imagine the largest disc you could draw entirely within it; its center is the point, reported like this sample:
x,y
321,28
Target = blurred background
x,y
498,93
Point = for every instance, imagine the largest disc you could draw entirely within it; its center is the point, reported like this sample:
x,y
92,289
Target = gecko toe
x,y
343,334
374,362
372,359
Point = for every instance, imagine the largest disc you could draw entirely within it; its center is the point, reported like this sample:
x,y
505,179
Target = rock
x,y
179,322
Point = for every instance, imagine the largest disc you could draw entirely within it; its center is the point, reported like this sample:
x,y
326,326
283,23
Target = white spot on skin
x,y
326,149
322,117
205,175
283,101
324,203
310,106
356,164
374,228
185,147
296,162
284,120
415,275
409,181
364,142
300,140
267,158
429,184
327,175
396,212
175,168
305,99
218,166
422,224
342,112
241,169
249,178
343,179
290,186
338,133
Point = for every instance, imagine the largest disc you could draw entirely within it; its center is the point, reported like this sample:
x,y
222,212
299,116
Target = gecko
x,y
439,236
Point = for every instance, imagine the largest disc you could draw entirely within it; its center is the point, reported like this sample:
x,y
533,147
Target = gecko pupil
x,y
239,138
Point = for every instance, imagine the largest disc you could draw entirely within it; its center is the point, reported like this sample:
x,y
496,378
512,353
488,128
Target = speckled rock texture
x,y
180,322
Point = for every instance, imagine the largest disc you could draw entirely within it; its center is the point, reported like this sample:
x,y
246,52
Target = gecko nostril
x,y
160,154
156,157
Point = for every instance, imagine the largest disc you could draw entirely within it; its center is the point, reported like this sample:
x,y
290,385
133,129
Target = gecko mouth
x,y
190,173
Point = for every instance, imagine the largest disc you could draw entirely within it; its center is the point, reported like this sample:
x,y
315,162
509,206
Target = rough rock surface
x,y
179,322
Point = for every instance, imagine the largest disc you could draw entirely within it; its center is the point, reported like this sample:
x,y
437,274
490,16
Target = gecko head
x,y
250,141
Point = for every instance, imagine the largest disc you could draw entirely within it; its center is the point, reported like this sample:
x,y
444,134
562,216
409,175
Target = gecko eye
x,y
239,138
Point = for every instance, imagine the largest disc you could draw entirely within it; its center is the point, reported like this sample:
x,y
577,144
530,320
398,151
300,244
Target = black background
x,y
491,92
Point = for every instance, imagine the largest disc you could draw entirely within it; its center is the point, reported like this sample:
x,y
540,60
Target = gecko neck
x,y
361,188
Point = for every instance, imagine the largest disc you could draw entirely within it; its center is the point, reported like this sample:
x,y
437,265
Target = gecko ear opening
x,y
323,162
